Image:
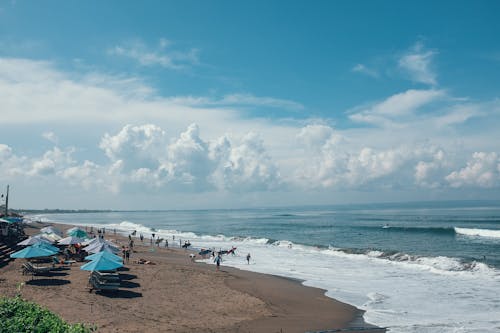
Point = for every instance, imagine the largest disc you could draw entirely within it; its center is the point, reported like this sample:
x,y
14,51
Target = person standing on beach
x,y
248,259
166,243
127,254
218,260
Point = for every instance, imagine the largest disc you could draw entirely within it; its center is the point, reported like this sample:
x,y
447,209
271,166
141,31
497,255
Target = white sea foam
x,y
406,293
478,232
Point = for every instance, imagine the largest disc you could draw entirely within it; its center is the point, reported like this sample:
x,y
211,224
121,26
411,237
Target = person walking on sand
x,y
166,243
127,254
248,259
218,260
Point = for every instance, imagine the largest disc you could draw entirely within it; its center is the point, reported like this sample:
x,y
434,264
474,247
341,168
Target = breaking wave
x,y
478,232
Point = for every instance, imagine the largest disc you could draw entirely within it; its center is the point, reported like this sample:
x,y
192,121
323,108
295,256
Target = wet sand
x,y
178,295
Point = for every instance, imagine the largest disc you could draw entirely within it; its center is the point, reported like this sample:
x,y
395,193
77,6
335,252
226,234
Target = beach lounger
x,y
98,285
104,281
104,276
29,268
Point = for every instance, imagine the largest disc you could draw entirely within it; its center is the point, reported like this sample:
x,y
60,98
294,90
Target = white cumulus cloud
x,y
138,146
483,170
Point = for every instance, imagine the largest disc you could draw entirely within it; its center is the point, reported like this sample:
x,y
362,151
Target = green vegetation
x,y
18,315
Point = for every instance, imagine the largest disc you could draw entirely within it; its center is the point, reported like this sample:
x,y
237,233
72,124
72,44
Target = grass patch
x,y
18,315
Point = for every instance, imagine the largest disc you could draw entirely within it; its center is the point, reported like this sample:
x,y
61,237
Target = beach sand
x,y
177,295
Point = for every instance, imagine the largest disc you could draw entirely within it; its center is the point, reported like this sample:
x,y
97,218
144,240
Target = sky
x,y
224,104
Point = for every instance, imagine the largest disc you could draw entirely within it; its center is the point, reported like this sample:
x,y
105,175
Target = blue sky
x,y
195,104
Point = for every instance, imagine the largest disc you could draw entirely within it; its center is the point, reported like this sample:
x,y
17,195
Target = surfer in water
x,y
248,259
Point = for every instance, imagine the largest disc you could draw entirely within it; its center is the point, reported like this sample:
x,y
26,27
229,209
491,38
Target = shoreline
x,y
197,297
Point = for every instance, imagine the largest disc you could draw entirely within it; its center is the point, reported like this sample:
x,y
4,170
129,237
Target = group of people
x,y
216,256
156,240
101,232
126,254
74,252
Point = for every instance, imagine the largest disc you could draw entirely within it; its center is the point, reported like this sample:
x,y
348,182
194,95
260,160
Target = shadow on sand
x,y
54,273
126,276
47,282
129,284
119,294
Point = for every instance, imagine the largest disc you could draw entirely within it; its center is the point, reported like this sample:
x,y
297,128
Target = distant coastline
x,y
381,205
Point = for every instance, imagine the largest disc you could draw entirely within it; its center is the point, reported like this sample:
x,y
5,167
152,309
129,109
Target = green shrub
x,y
18,315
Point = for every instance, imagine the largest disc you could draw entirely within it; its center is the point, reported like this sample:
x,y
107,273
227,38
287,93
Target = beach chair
x,y
27,268
99,281
41,270
107,276
30,269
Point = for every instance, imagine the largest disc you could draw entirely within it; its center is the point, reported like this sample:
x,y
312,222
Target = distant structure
x,y
11,224
6,213
4,209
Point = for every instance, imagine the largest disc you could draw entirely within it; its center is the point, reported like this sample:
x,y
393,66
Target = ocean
x,y
425,267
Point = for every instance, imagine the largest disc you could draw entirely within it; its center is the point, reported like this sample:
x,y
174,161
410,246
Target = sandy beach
x,y
178,295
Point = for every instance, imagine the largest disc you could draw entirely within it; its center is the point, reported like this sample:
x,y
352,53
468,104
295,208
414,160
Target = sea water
x,y
412,268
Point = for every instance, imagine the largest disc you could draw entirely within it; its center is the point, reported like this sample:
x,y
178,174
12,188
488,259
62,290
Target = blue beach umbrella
x,y
11,219
78,233
46,247
104,254
33,252
101,264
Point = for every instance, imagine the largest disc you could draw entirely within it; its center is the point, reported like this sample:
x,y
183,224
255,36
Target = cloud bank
x,y
139,141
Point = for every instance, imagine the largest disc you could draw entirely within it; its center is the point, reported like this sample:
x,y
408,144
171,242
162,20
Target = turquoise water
x,y
412,231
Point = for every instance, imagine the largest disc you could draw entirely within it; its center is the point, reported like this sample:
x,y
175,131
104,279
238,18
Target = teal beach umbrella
x,y
33,252
46,247
104,254
101,264
78,233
